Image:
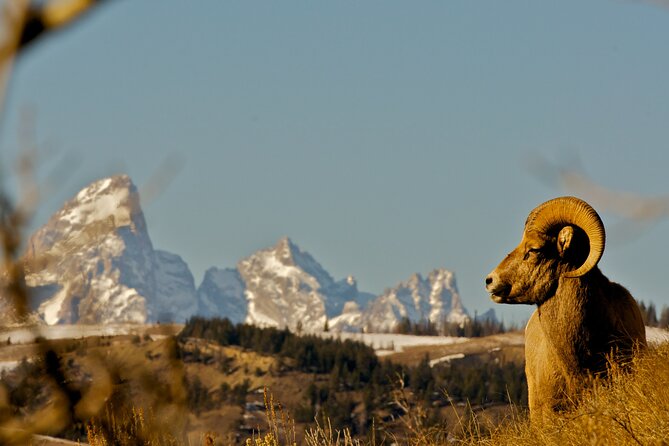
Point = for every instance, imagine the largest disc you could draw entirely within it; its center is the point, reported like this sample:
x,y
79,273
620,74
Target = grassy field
x,y
123,374
625,409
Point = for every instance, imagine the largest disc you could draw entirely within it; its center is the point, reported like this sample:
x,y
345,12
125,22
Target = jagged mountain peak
x,y
287,252
285,248
286,259
114,198
99,208
282,287
94,257
434,298
93,262
286,286
104,185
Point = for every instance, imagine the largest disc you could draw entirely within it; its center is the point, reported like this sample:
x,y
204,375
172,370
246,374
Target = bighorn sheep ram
x,y
581,318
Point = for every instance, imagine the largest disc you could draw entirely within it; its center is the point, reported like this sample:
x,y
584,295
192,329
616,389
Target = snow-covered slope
x,y
388,343
656,336
350,319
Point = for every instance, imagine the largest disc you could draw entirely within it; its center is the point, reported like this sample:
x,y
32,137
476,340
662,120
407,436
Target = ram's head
x,y
563,238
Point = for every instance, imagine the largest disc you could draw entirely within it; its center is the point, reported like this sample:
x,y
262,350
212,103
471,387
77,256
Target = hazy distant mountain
x,y
93,262
174,298
221,294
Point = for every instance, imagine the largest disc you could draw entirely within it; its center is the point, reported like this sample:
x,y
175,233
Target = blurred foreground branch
x,y
24,22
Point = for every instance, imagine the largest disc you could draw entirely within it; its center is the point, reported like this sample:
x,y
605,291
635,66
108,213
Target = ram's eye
x,y
531,251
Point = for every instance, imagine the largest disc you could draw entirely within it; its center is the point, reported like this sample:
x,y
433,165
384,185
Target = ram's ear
x,y
564,239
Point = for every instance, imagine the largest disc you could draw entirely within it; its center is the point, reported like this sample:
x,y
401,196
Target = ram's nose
x,y
499,291
490,282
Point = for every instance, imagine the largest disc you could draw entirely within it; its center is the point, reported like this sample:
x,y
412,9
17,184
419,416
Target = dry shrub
x,y
127,428
327,436
279,425
624,409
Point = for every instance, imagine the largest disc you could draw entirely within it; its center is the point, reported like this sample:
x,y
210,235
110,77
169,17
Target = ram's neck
x,y
566,317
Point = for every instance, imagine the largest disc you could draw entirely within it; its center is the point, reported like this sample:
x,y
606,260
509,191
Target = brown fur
x,y
578,323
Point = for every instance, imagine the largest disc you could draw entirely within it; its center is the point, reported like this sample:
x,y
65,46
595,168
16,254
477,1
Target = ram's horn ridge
x,y
573,211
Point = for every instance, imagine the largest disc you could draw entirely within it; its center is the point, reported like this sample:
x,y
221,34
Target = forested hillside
x,y
350,385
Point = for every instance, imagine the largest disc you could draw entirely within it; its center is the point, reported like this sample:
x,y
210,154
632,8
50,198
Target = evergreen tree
x,y
651,319
664,318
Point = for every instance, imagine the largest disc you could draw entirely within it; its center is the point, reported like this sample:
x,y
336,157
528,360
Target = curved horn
x,y
565,211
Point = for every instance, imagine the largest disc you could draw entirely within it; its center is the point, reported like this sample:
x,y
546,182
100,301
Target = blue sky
x,y
385,138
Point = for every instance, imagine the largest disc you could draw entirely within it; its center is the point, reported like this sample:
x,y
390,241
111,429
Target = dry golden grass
x,y
131,428
626,409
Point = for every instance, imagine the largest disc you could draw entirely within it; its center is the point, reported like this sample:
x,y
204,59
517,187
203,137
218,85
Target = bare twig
x,y
24,22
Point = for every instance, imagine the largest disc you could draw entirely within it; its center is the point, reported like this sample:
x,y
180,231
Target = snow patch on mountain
x,y
50,308
350,320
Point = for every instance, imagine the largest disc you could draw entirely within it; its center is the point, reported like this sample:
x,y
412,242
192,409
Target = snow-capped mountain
x,y
434,298
286,287
93,262
283,286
